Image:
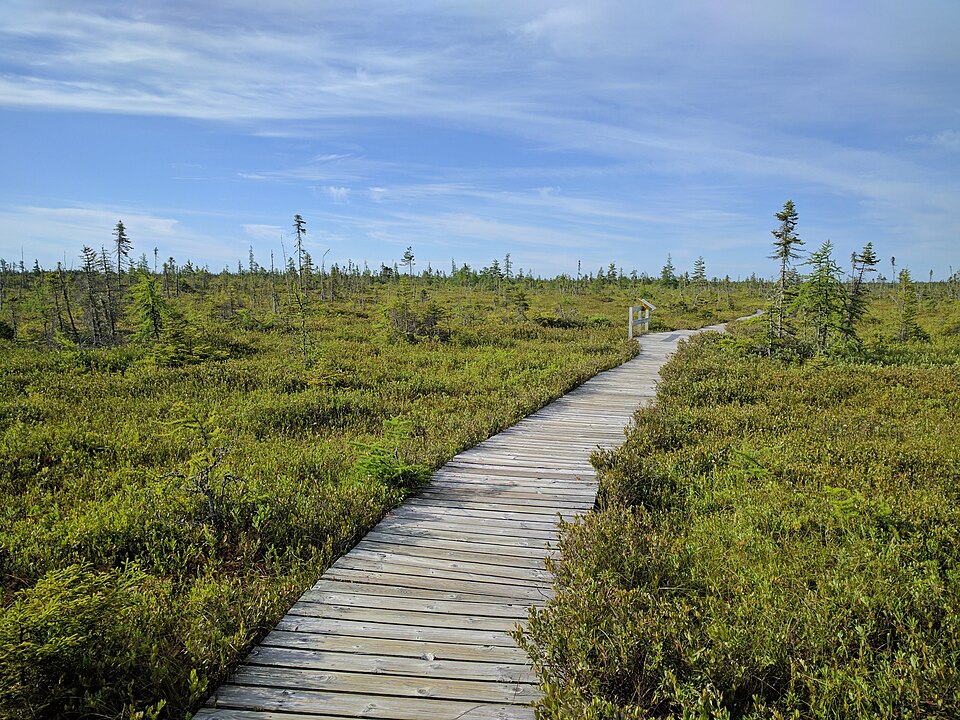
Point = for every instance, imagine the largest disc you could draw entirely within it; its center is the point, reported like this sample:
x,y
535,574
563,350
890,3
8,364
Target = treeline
x,y
113,298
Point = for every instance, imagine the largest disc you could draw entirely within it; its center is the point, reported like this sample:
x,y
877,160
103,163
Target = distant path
x,y
411,624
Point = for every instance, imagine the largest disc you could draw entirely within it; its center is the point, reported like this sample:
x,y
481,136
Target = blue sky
x,y
602,131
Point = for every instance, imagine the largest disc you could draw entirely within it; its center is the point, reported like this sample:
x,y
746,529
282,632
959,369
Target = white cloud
x,y
268,233
337,194
664,96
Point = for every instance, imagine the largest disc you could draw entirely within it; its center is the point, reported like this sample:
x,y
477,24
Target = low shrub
x,y
771,541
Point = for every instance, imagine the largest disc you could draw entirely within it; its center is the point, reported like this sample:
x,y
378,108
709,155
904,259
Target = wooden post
x,y
638,317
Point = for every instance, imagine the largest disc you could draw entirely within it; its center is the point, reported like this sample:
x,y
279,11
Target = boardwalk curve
x,y
412,623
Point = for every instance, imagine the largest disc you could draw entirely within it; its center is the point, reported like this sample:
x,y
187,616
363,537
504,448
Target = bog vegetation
x,y
777,536
183,452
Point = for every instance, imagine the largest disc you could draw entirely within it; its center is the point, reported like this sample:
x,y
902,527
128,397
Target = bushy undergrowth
x,y
773,541
165,500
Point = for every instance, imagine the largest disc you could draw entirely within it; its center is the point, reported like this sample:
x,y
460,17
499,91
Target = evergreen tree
x,y
907,304
495,273
123,245
148,305
785,243
300,228
93,306
110,303
699,278
668,275
408,260
822,299
861,264
65,294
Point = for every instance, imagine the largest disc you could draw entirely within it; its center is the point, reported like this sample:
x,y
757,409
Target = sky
x,y
559,132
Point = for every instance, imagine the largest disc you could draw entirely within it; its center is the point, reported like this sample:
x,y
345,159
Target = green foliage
x,y
785,244
411,320
165,498
149,306
907,302
383,461
772,540
821,303
48,665
164,502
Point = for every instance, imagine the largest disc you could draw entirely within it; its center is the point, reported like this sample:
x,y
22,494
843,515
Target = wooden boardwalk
x,y
412,623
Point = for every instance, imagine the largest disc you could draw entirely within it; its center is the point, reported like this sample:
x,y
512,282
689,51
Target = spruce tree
x,y
668,275
148,305
908,307
699,278
300,228
408,260
822,298
785,243
861,264
123,245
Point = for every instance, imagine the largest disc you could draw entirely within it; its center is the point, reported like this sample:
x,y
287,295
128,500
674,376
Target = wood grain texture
x,y
413,623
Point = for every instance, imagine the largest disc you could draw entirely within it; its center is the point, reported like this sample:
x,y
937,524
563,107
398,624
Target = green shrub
x,y
771,541
105,507
65,640
384,461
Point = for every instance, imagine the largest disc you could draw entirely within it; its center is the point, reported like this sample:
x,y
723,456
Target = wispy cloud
x,y
259,232
514,124
943,140
338,194
57,234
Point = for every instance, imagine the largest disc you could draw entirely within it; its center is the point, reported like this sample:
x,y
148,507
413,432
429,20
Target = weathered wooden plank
x,y
439,530
352,705
395,685
474,460
442,569
572,479
416,649
465,552
544,524
460,584
495,484
210,713
455,541
516,611
529,460
536,508
533,537
540,520
501,537
540,501
391,631
390,665
528,479
395,616
585,488
406,558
